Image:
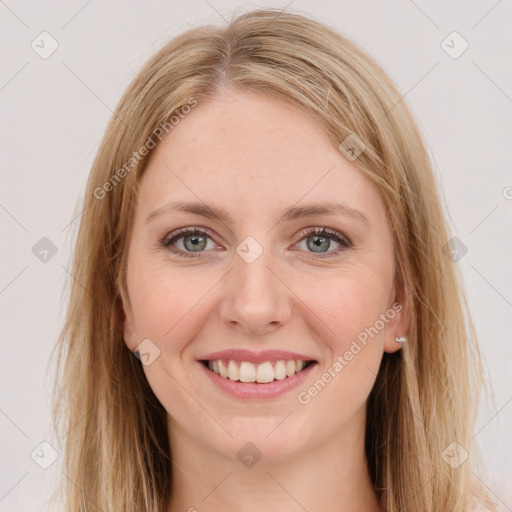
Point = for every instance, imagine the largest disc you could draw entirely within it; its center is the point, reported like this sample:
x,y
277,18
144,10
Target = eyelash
x,y
167,242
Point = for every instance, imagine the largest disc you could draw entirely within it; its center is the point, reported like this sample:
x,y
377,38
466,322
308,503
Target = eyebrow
x,y
291,213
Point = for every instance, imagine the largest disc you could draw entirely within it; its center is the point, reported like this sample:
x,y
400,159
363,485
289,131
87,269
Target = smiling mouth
x,y
262,373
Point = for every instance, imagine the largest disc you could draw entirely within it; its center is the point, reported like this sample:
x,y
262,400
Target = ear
x,y
399,326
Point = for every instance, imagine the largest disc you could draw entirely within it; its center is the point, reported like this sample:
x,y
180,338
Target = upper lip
x,y
255,357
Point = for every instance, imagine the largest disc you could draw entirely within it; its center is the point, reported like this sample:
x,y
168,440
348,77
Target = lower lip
x,y
255,390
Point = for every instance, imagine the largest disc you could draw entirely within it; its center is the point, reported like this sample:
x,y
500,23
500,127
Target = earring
x,y
401,340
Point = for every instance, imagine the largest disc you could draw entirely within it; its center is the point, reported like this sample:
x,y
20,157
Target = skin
x,y
255,157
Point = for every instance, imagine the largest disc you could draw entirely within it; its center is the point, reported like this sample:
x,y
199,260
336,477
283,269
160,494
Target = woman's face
x,y
255,293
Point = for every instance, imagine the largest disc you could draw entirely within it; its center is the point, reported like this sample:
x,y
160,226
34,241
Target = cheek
x,y
168,304
352,305
350,302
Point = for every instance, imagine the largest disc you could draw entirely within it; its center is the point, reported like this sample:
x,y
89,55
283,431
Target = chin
x,y
267,438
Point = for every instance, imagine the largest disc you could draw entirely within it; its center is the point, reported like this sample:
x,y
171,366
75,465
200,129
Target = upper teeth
x,y
249,372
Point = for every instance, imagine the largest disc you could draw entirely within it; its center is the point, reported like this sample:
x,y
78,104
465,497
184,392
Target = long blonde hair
x,y
117,454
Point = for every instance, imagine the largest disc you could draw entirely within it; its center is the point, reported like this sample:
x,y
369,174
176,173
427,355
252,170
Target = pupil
x,y
196,242
318,241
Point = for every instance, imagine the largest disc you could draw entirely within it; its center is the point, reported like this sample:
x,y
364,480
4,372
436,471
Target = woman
x,y
263,315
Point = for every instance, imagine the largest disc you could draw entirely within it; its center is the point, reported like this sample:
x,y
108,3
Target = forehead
x,y
247,150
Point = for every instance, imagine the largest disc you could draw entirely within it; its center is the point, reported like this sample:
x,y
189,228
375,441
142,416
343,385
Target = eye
x,y
192,240
319,241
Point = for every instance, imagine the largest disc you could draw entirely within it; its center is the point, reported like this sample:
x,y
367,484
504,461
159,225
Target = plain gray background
x,y
55,110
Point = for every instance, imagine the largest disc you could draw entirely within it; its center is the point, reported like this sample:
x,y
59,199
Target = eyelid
x,y
324,231
175,235
189,230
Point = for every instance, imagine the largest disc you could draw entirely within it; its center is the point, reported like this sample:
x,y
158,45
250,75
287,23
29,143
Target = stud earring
x,y
401,340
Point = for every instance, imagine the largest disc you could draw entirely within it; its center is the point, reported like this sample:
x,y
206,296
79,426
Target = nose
x,y
255,301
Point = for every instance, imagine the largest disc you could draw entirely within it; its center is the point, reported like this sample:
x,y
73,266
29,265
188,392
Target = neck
x,y
331,477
